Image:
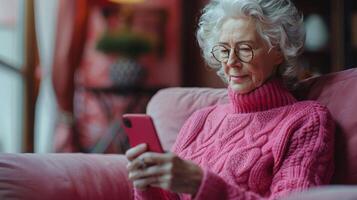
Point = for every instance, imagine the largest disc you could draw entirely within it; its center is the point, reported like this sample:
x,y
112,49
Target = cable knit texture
x,y
262,145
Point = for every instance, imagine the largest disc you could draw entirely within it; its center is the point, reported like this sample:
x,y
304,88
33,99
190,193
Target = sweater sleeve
x,y
306,159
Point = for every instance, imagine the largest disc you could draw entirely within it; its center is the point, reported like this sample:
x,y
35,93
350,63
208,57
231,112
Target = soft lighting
x,y
316,33
127,1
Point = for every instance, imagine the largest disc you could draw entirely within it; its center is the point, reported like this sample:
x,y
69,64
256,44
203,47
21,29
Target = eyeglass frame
x,y
235,52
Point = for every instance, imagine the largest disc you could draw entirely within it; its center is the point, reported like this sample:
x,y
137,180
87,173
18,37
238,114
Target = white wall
x,y
11,84
11,111
46,111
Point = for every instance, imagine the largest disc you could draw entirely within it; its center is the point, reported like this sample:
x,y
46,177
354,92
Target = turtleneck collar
x,y
271,94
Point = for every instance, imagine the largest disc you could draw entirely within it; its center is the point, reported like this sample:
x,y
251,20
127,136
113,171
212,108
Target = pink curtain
x,y
71,28
88,121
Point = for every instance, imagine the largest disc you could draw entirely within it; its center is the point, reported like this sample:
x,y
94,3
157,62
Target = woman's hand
x,y
164,170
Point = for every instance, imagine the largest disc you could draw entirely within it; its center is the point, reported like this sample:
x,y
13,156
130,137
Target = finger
x,y
156,170
156,158
149,158
144,183
134,152
163,182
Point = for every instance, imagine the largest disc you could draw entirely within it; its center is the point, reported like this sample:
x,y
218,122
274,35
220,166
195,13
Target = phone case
x,y
140,129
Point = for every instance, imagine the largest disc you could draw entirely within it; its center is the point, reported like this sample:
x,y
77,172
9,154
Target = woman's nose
x,y
233,60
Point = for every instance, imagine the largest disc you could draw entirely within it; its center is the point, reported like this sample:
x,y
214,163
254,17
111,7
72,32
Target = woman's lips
x,y
237,78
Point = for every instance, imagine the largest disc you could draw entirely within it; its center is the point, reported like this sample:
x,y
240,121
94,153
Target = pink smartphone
x,y
140,129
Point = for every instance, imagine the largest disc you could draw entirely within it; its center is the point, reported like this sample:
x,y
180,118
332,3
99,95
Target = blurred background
x,y
70,68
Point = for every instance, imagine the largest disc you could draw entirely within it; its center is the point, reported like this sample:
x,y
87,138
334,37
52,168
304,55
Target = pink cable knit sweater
x,y
262,145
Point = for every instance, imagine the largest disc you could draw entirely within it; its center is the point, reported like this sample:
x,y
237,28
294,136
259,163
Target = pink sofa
x,y
84,176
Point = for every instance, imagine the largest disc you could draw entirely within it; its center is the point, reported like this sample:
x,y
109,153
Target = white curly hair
x,y
277,21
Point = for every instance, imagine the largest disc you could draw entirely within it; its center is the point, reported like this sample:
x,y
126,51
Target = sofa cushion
x,y
172,106
338,91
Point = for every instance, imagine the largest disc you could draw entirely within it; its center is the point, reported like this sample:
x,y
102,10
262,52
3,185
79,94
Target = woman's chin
x,y
240,88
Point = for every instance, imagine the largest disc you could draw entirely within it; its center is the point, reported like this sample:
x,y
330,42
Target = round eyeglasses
x,y
244,53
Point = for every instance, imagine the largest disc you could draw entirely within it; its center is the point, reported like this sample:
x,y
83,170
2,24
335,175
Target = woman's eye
x,y
225,53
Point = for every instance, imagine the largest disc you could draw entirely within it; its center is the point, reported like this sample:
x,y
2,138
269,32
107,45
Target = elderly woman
x,y
264,144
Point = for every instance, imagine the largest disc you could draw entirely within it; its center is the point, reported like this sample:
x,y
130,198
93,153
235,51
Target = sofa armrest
x,y
64,176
